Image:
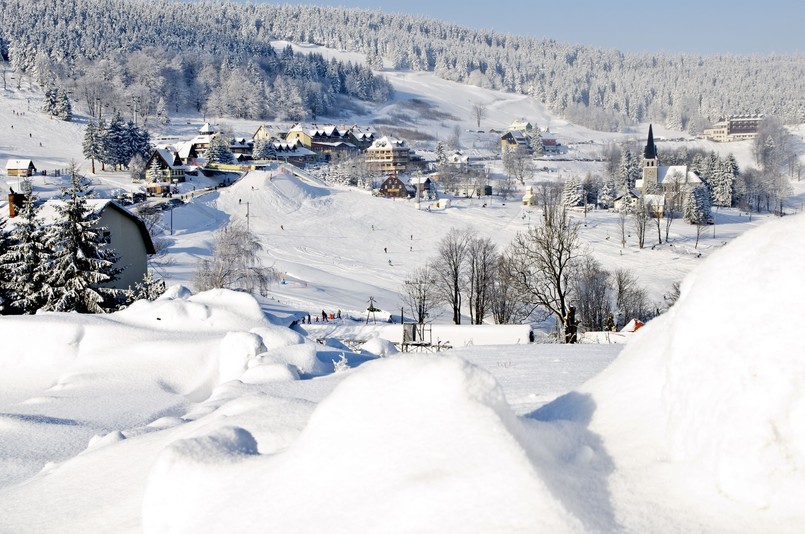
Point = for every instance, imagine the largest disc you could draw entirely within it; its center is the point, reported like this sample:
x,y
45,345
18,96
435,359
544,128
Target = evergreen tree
x,y
81,262
572,193
263,149
154,172
149,289
27,260
697,206
63,109
219,151
608,194
93,144
114,138
162,112
5,286
628,172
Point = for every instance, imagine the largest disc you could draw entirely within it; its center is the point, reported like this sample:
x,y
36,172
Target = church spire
x,y
650,152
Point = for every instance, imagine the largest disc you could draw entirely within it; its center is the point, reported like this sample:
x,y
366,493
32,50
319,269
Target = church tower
x,y
651,164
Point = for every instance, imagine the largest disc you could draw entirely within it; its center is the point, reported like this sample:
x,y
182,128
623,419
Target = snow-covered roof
x,y
677,173
388,141
207,129
14,164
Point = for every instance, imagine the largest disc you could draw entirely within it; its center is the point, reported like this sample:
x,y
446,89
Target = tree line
x,y
538,277
225,56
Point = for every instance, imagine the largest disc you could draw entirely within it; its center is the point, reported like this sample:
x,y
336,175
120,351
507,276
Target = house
x,y
241,146
187,153
361,137
520,125
388,155
263,132
663,179
128,237
165,166
514,140
326,140
20,167
529,198
737,128
293,152
423,184
550,145
393,187
201,142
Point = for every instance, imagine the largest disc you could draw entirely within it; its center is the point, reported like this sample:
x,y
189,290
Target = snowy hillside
x,y
201,413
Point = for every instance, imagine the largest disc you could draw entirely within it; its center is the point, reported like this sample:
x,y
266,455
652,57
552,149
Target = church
x,y
663,179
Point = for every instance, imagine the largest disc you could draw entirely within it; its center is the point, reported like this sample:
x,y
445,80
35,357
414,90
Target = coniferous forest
x,y
216,57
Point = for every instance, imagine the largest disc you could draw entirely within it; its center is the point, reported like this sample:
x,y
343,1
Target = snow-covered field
x,y
206,413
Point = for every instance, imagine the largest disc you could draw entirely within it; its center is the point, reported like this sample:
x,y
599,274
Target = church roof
x,y
650,152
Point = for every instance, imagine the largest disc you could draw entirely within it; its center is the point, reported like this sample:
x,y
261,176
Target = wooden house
x,y
20,167
169,165
393,187
514,140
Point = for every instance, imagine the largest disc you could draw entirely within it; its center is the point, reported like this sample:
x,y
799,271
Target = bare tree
x,y
449,268
622,227
481,266
420,294
517,163
630,298
479,112
592,292
235,263
544,261
505,303
673,202
640,221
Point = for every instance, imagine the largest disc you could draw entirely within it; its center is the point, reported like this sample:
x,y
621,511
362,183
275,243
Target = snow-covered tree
x,y
27,260
572,193
607,194
81,264
93,145
149,289
263,149
697,206
219,151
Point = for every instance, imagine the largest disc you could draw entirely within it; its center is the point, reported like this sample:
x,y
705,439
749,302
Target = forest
x,y
213,56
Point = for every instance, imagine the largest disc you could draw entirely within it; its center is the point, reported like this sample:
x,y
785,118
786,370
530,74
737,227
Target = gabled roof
x,y
169,156
677,173
207,129
19,164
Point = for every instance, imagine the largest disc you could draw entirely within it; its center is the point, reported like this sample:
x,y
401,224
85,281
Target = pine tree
x,y
697,206
5,286
219,151
162,112
27,260
63,109
572,193
81,262
608,194
93,145
154,172
149,289
263,149
114,142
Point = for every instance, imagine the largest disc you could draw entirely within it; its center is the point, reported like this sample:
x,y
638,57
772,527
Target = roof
x,y
677,173
650,152
168,156
19,164
206,129
388,141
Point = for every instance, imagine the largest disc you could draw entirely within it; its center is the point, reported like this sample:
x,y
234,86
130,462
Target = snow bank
x,y
409,444
379,347
709,400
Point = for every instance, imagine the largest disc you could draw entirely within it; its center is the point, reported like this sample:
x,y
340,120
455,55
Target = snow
x,y
208,412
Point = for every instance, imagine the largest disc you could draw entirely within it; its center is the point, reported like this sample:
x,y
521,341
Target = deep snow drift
x,y
196,413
